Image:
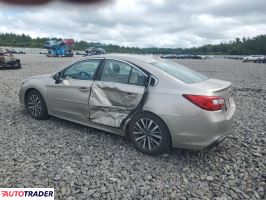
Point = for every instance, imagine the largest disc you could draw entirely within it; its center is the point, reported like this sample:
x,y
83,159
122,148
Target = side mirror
x,y
57,78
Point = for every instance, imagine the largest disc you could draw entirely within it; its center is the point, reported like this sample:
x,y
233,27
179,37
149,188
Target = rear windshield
x,y
180,72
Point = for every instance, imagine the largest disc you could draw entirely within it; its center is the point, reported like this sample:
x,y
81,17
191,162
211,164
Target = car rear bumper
x,y
216,142
206,130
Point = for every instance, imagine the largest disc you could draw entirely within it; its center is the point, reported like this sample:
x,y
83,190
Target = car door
x,y
118,91
69,98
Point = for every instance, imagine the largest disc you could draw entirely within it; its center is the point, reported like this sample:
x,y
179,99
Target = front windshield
x,y
180,72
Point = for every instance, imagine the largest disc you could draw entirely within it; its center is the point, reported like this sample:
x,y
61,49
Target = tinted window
x,y
83,70
137,78
180,72
120,72
116,71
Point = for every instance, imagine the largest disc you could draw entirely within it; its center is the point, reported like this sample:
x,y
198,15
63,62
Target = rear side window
x,y
116,71
120,72
180,72
137,77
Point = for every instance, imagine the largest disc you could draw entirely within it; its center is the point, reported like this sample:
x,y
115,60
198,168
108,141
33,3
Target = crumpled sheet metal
x,y
110,104
108,116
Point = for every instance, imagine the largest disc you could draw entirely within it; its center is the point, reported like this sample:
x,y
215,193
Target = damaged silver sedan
x,y
157,104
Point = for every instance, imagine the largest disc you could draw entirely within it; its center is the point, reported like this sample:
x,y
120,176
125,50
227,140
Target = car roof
x,y
143,61
129,57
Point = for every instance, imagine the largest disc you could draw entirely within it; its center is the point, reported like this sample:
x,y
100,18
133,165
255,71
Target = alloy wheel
x,y
147,134
34,105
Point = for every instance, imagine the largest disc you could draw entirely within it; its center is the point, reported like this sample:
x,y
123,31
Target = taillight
x,y
210,103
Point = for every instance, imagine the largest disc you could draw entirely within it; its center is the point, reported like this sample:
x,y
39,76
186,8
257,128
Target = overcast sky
x,y
142,23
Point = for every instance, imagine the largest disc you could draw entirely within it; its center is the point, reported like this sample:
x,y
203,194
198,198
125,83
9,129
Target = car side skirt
x,y
113,130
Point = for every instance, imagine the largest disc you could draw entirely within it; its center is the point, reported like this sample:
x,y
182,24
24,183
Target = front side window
x,y
120,72
83,70
180,72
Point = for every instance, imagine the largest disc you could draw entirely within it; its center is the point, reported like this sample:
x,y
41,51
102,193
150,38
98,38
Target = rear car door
x,y
118,91
70,97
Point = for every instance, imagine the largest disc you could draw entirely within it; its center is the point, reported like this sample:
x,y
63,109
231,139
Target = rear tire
x,y
36,105
149,134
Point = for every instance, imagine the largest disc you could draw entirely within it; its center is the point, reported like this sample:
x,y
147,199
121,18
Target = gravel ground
x,y
85,163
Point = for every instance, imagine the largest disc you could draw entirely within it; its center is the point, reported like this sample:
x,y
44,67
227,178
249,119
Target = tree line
x,y
243,46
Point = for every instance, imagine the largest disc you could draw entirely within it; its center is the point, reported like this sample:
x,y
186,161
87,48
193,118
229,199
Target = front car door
x,y
118,91
70,97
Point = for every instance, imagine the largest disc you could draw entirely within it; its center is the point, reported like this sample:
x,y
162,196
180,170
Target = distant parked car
x,y
186,56
94,51
14,51
43,52
81,53
194,57
8,51
169,56
20,52
254,58
8,61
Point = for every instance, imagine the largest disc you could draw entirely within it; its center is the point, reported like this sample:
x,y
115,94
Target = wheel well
x,y
127,126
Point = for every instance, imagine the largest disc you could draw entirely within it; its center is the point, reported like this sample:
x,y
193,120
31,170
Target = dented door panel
x,y
110,103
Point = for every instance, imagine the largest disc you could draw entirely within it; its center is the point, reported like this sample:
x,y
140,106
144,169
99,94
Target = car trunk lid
x,y
214,87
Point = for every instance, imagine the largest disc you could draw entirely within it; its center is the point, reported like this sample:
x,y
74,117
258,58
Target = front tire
x,y
149,134
36,105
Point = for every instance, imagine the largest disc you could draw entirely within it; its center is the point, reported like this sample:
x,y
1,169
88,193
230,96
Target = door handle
x,y
84,89
130,95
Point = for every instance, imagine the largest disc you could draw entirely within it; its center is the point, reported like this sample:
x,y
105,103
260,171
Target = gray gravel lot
x,y
84,163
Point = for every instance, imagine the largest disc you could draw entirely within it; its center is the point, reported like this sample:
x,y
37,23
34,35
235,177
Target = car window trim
x,y
129,75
